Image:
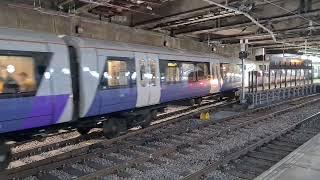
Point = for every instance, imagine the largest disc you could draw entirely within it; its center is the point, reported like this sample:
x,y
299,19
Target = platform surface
x,y
303,163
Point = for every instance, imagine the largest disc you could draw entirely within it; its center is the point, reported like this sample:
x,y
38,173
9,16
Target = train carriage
x,y
48,81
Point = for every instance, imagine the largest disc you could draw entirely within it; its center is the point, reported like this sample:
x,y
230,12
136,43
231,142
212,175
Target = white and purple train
x,y
48,81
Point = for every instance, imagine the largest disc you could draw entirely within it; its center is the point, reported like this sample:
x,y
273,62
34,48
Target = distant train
x,y
48,81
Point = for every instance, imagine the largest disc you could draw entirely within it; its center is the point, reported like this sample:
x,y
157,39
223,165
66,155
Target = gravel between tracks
x,y
198,156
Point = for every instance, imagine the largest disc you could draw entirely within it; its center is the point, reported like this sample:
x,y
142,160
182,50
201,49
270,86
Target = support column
x,y
243,55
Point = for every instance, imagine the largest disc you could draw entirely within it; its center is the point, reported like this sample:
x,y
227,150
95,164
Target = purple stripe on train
x,y
171,92
113,100
30,112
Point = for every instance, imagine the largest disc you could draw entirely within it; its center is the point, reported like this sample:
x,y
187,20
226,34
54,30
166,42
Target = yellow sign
x,y
205,116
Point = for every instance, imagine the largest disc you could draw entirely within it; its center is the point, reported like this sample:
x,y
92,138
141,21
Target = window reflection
x,y
203,71
153,75
231,72
188,72
143,72
17,74
118,73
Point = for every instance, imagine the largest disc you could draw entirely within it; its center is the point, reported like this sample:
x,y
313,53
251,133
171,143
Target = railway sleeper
x,y
95,165
259,162
244,166
290,140
310,131
260,155
241,174
285,144
123,174
73,171
48,176
273,151
283,148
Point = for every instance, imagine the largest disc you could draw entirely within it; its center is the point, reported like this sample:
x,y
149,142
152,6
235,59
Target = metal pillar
x,y
263,68
243,55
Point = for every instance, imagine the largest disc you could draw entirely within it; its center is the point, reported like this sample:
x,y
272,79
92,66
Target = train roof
x,y
29,36
40,37
113,45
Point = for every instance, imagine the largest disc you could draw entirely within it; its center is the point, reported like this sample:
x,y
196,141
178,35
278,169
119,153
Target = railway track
x,y
172,111
76,138
115,157
250,162
97,136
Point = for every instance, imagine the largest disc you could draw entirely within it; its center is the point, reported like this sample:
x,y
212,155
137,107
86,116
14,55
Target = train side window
x,y
188,72
170,72
17,75
119,72
202,71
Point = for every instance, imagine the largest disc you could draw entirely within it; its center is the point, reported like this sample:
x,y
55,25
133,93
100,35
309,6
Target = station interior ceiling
x,y
288,26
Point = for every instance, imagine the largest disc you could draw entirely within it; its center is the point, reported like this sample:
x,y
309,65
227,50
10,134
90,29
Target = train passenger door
x,y
148,81
215,80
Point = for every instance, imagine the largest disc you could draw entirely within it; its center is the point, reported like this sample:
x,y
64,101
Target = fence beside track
x,y
265,97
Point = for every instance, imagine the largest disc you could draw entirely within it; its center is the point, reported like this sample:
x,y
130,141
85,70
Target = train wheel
x,y
114,127
5,155
198,101
191,102
146,120
154,114
83,130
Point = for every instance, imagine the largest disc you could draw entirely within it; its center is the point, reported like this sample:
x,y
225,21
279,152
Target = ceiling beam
x,y
150,24
96,3
253,36
200,30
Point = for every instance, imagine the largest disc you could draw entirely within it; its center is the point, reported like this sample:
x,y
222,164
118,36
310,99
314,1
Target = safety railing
x,y
266,97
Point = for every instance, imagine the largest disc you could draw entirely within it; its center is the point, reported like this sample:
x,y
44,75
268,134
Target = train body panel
x,y
31,67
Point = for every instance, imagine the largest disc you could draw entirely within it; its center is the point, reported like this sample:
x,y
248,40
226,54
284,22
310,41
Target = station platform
x,y
303,163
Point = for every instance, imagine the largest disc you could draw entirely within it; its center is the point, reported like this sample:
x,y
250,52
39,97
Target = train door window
x,y
218,74
143,71
214,71
223,70
202,71
170,72
188,72
119,72
17,75
153,72
163,66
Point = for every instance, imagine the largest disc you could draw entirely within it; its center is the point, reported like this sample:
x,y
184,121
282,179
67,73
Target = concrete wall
x,y
53,22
